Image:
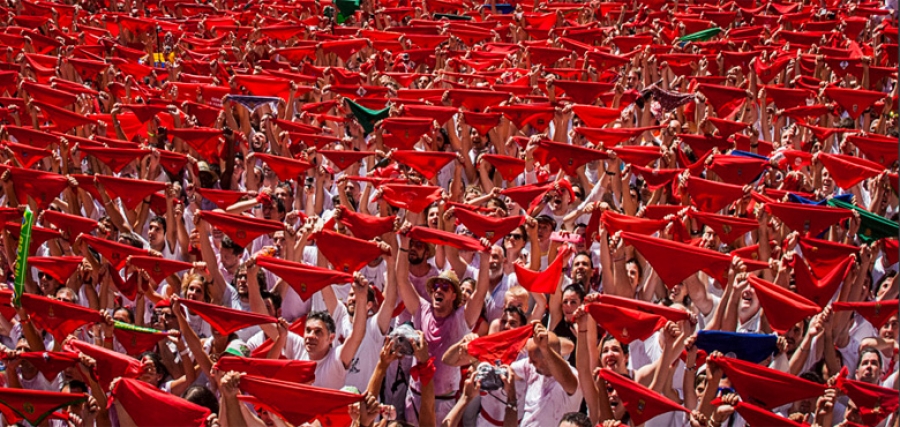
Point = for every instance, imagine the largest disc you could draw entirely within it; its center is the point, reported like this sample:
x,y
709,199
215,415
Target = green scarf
x,y
872,227
701,36
366,117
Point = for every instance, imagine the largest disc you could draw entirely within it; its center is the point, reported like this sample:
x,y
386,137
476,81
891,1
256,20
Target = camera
x,y
490,376
403,338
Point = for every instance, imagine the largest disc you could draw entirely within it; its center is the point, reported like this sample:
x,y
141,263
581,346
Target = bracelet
x,y
512,406
692,368
403,250
184,352
146,202
754,145
107,339
610,173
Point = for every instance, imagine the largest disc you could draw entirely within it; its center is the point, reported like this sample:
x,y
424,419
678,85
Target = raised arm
x,y
476,303
559,368
583,362
351,344
217,290
383,317
405,289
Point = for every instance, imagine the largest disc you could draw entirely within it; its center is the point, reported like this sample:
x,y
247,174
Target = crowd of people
x,y
442,212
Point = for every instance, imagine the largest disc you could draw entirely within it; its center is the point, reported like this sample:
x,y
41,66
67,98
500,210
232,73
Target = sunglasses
x,y
442,286
515,236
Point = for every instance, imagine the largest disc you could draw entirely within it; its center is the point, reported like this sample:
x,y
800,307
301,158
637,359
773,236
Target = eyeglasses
x,y
442,285
515,236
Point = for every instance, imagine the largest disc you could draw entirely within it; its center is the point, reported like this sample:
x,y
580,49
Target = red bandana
x,y
544,282
222,198
334,247
445,238
876,312
808,219
711,196
306,280
427,163
110,364
820,291
115,253
148,406
226,320
508,167
823,256
70,225
414,198
295,371
625,324
596,117
242,229
57,317
343,159
34,405
728,228
159,268
131,191
765,387
641,402
493,229
503,346
58,267
285,168
783,308
482,122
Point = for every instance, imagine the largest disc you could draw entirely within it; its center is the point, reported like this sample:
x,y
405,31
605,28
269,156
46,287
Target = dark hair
x,y
609,337
275,298
279,204
157,362
75,384
323,317
813,376
575,287
516,311
199,395
132,240
866,350
577,418
636,264
159,220
126,310
587,254
287,186
500,203
229,244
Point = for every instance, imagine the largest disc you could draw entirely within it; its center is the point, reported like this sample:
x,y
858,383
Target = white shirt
x,y
545,400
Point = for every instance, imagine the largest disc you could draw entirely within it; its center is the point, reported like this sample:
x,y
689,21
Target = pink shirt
x,y
440,334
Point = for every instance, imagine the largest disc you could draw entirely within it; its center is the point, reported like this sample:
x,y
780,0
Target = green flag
x,y
701,36
21,269
367,117
346,8
872,227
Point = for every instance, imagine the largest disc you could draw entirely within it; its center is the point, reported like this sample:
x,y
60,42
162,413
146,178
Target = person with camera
x,y
493,406
489,379
444,320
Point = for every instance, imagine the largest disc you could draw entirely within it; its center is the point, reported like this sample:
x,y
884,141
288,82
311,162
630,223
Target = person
x,y
444,322
551,384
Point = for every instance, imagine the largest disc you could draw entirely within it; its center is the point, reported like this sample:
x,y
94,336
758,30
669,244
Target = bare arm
x,y
351,344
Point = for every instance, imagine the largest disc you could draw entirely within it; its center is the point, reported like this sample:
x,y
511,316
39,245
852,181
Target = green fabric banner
x,y
701,36
872,227
129,327
367,117
21,269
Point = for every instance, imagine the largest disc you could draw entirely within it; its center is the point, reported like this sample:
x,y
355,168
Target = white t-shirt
x,y
330,371
545,400
363,364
